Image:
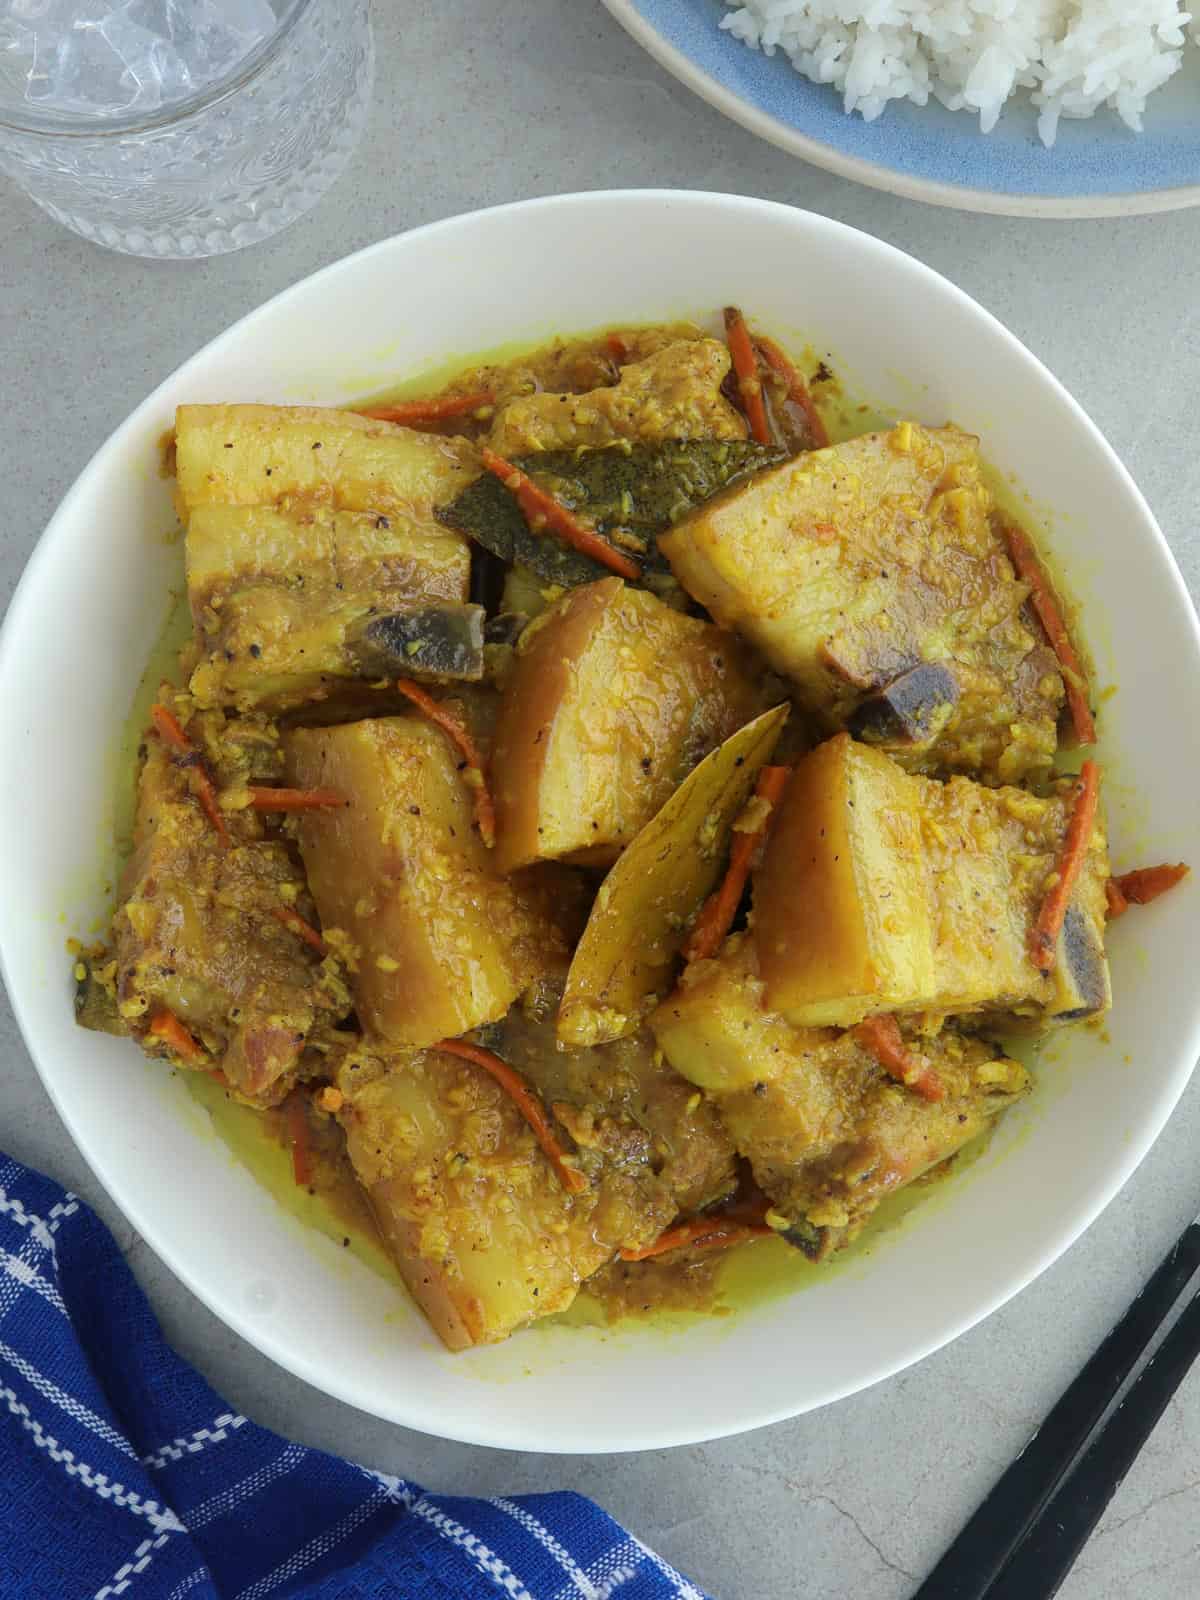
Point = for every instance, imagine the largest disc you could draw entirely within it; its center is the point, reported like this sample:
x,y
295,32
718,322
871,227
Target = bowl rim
x,y
952,196
1069,1226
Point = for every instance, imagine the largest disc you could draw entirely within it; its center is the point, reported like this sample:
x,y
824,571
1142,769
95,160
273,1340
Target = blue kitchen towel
x,y
123,1473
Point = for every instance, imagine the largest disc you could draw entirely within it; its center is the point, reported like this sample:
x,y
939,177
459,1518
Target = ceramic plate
x,y
1097,168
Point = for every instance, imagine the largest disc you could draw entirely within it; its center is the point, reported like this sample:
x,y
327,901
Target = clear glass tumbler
x,y
223,168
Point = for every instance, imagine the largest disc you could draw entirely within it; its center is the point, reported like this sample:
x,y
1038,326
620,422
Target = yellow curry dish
x,y
613,809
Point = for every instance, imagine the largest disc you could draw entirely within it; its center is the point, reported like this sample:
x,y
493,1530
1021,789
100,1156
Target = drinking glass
x,y
213,170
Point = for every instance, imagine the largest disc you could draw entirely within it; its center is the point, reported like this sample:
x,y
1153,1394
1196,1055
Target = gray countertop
x,y
480,101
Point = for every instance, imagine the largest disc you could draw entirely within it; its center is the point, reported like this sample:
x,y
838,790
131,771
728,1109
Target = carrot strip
x,y
797,389
1043,936
1025,558
880,1037
526,1102
210,806
293,921
267,799
170,731
165,1025
700,1233
718,911
544,513
481,796
295,1121
1144,884
1117,904
745,370
409,412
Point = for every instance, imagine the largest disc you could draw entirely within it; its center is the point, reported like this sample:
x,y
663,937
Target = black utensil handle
x,y
1038,1568
976,1557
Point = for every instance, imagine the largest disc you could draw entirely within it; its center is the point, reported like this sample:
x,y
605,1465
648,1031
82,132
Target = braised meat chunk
x,y
828,1132
613,699
675,393
285,455
483,1229
314,554
832,1135
436,940
208,966
851,567
286,605
881,891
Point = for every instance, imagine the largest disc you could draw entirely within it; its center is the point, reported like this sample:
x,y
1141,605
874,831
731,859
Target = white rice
x,y
1073,55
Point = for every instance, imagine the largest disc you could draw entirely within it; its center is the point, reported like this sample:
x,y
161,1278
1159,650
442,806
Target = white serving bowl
x,y
92,602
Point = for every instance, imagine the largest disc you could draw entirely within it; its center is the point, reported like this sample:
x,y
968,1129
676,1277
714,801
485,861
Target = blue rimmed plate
x,y
1097,168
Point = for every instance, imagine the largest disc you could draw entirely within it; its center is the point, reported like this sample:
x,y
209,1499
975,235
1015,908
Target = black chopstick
x,y
1025,1536
1043,1561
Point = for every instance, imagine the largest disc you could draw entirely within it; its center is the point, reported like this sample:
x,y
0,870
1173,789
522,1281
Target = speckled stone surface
x,y
491,100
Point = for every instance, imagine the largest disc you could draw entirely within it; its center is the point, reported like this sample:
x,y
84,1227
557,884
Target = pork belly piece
x,y
438,942
483,1231
674,393
828,1133
855,567
196,935
288,604
255,455
612,700
880,891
